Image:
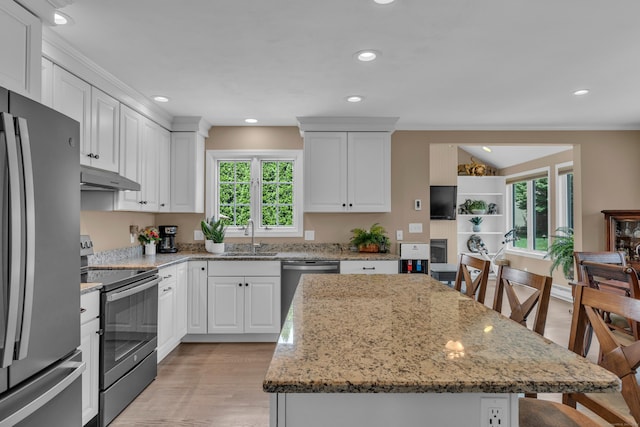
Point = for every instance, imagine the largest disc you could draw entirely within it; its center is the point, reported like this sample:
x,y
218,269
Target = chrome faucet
x,y
253,231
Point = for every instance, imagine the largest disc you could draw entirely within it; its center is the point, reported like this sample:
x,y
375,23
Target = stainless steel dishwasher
x,y
291,272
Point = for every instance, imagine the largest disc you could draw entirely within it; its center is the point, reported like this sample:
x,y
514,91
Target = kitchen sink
x,y
249,254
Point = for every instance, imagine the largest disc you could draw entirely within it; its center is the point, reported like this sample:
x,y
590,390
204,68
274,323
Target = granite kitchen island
x,y
406,350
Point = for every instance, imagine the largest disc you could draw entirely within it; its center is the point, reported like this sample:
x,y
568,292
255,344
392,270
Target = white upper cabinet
x,y
187,172
72,97
47,83
20,50
149,156
130,141
105,127
347,171
164,170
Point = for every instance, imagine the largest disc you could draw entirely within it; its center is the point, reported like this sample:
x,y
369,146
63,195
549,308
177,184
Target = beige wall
x,y
606,161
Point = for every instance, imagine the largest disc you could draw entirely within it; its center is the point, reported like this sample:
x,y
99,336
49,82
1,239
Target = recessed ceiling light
x,y
252,121
367,55
61,19
160,98
354,98
581,92
384,1
487,149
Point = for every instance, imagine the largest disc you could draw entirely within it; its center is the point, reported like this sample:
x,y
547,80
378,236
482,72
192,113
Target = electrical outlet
x,y
494,411
309,235
198,235
399,235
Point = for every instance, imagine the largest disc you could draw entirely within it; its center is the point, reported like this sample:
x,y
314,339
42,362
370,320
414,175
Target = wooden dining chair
x,y
605,257
475,287
616,408
538,289
535,290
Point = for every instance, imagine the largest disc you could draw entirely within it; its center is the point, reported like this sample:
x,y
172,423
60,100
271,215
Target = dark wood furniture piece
x,y
474,287
616,408
622,229
604,257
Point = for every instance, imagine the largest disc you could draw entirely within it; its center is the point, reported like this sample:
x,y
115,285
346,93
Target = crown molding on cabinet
x,y
191,124
66,56
346,124
44,9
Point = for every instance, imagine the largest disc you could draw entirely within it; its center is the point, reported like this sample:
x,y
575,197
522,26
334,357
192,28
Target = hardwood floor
x,y
221,384
205,385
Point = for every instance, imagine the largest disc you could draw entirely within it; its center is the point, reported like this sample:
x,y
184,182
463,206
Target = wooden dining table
x,y
379,350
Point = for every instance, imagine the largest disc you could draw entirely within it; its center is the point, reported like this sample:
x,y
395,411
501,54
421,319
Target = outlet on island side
x,y
494,411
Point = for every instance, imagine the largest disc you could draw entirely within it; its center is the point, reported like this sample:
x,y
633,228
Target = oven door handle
x,y
136,289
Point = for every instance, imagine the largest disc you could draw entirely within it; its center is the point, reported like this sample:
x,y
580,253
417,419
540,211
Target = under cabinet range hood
x,y
102,180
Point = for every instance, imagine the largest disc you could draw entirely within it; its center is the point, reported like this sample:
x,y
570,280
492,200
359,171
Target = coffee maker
x,y
168,239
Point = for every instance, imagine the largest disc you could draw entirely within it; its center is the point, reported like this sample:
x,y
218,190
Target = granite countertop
x,y
411,334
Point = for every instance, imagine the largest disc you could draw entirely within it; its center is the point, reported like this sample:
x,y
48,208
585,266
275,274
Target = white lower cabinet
x,y
369,267
243,297
90,347
171,308
197,297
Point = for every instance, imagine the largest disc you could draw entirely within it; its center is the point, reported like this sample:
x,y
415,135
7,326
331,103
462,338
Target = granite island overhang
x,y
379,350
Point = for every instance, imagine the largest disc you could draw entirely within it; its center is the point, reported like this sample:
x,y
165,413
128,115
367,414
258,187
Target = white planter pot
x,y
214,248
150,249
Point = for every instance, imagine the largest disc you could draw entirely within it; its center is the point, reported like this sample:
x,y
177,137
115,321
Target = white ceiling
x,y
503,156
456,64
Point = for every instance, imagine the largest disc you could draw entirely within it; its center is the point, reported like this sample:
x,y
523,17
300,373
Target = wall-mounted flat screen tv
x,y
443,201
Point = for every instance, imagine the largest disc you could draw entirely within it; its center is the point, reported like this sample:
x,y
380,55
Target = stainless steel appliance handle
x,y
22,413
123,294
310,267
30,217
15,227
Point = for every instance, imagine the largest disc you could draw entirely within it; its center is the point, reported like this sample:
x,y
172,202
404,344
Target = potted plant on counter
x,y
372,240
148,238
214,232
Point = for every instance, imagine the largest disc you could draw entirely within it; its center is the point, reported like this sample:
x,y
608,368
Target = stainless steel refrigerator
x,y
40,366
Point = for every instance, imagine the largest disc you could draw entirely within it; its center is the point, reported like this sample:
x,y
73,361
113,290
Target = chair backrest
x,y
474,287
538,295
589,304
617,258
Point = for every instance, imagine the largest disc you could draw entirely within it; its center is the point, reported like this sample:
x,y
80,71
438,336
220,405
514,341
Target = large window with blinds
x,y
529,210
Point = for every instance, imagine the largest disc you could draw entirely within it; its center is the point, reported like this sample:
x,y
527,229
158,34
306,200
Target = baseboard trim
x,y
562,292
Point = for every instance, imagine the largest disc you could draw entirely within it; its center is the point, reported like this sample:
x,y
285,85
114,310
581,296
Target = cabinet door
x,y
369,267
105,128
164,170
262,305
226,304
20,50
149,166
187,172
197,298
130,140
325,172
47,83
72,96
181,300
369,172
90,347
166,317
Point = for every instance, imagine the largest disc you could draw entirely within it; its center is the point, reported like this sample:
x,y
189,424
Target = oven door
x,y
129,328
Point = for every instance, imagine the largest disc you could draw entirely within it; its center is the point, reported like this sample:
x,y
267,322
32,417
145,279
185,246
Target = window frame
x,y
562,211
255,157
528,176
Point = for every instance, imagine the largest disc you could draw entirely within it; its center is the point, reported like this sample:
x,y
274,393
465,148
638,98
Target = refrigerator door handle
x,y
77,368
15,252
30,219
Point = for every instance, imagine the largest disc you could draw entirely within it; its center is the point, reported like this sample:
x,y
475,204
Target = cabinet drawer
x,y
244,268
369,267
89,306
168,274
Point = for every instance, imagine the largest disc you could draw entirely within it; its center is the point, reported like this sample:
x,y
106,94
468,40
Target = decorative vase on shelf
x,y
476,228
150,249
214,248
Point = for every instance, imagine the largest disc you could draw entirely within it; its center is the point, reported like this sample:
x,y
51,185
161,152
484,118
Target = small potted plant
x,y
476,221
478,207
148,238
372,240
214,232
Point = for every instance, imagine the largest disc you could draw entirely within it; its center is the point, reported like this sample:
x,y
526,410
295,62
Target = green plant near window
x,y
561,251
213,229
368,240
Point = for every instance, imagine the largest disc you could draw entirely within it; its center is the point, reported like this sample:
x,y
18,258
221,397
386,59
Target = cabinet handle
x,y
240,284
344,205
350,204
202,268
368,268
82,310
167,289
90,155
246,284
162,205
166,277
96,156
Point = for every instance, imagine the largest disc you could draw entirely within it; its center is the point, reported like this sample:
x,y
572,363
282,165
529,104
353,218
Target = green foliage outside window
x,y
234,179
277,193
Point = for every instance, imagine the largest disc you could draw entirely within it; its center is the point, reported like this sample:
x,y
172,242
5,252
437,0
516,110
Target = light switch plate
x,y
417,203
309,235
415,227
198,235
399,235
